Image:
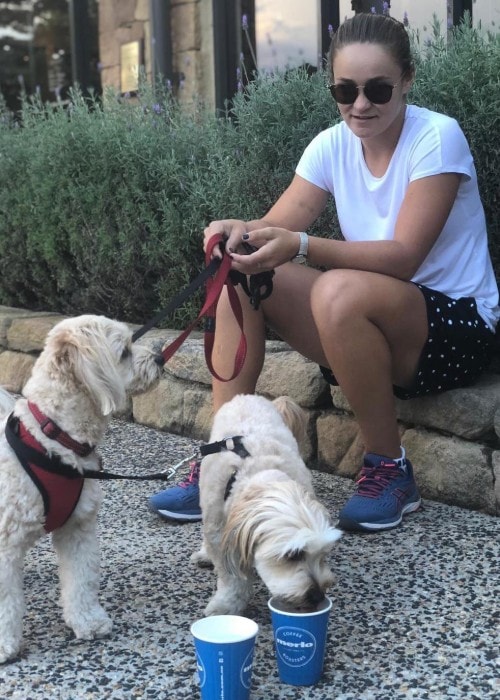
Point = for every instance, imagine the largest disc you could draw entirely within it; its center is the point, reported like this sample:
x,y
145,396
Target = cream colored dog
x,y
259,510
84,374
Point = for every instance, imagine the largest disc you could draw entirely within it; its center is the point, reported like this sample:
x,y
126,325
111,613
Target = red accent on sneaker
x,y
374,480
193,476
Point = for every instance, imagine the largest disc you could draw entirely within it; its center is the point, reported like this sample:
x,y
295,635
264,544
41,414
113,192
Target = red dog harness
x,y
59,484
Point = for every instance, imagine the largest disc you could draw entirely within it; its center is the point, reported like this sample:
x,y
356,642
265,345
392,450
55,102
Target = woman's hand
x,y
232,230
275,246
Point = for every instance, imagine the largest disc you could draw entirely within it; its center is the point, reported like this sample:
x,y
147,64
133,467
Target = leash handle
x,y
214,287
214,290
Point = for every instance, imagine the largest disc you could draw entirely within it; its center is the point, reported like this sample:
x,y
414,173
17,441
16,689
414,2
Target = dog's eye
x,y
295,555
126,353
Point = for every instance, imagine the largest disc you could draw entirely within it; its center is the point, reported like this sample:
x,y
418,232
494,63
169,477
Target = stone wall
x,y
452,439
191,43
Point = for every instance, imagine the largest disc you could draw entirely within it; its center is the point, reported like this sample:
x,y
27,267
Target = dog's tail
x,y
293,416
6,402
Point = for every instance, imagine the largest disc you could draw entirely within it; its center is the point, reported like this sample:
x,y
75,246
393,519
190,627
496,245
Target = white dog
x,y
84,373
259,508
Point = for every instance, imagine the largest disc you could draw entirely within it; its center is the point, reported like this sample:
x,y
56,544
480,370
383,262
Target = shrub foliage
x,y
103,203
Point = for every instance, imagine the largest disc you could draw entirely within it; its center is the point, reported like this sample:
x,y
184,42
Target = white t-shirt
x,y
459,263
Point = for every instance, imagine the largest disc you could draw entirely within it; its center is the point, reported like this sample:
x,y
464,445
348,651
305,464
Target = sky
x,y
286,33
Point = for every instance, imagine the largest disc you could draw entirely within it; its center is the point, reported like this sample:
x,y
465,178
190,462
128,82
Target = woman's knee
x,y
338,292
290,292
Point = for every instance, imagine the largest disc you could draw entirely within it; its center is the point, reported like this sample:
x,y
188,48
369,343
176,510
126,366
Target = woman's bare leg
x,y
288,308
372,329
368,328
227,337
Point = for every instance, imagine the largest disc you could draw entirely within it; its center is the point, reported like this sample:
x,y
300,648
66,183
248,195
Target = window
x,y
269,33
286,34
379,6
44,48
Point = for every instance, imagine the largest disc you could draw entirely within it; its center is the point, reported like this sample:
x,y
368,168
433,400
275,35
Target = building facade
x,y
206,48
203,49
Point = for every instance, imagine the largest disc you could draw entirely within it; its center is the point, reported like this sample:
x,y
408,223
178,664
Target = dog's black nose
x,y
314,596
159,360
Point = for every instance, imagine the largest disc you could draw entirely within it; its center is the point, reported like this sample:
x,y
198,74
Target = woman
x,y
407,303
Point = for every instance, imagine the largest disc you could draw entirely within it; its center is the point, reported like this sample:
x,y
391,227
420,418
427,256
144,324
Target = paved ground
x,y
415,610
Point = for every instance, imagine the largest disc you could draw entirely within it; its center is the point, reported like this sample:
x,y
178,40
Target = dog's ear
x,y
293,416
304,538
241,535
82,354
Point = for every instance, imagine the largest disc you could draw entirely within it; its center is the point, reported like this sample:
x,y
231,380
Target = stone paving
x,y
415,611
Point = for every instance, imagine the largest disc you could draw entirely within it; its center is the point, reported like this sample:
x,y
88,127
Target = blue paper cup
x,y
224,646
300,641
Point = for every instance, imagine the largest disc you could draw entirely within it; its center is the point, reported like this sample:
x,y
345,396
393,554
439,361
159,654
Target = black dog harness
x,y
232,444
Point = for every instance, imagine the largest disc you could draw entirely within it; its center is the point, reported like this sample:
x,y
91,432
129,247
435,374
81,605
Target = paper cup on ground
x,y
300,641
224,646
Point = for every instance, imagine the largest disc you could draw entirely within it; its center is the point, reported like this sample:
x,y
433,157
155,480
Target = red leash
x,y
214,287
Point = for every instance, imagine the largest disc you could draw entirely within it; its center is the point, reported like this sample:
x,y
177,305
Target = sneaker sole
x,y
353,526
183,517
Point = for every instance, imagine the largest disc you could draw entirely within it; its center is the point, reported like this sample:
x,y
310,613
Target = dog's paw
x,y
9,650
223,607
201,559
94,624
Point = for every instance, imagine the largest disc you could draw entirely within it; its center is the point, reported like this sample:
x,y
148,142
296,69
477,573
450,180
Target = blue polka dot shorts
x,y
459,347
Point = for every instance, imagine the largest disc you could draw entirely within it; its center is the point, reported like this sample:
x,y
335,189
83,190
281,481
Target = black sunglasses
x,y
376,91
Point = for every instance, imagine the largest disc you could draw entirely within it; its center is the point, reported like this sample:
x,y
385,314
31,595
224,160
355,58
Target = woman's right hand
x,y
232,231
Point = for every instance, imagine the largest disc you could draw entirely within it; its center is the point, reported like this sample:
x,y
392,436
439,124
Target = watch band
x,y
303,248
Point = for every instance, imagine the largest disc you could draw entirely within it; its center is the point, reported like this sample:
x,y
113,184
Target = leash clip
x,y
171,471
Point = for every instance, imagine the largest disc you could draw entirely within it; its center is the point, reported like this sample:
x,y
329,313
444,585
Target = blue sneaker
x,y
181,502
385,491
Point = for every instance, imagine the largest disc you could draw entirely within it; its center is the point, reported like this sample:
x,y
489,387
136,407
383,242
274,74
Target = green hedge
x,y
103,204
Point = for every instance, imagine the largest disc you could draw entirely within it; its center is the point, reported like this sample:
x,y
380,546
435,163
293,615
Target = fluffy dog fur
x,y
84,374
271,522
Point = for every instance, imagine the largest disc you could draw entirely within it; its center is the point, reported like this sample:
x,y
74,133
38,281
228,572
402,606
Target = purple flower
x,y
330,31
373,10
385,8
157,108
244,23
240,86
405,19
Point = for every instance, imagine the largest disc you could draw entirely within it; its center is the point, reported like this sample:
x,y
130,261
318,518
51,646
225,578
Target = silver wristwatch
x,y
301,256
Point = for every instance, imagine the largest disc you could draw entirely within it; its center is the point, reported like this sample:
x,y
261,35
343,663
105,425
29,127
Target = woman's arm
x,y
296,209
423,214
